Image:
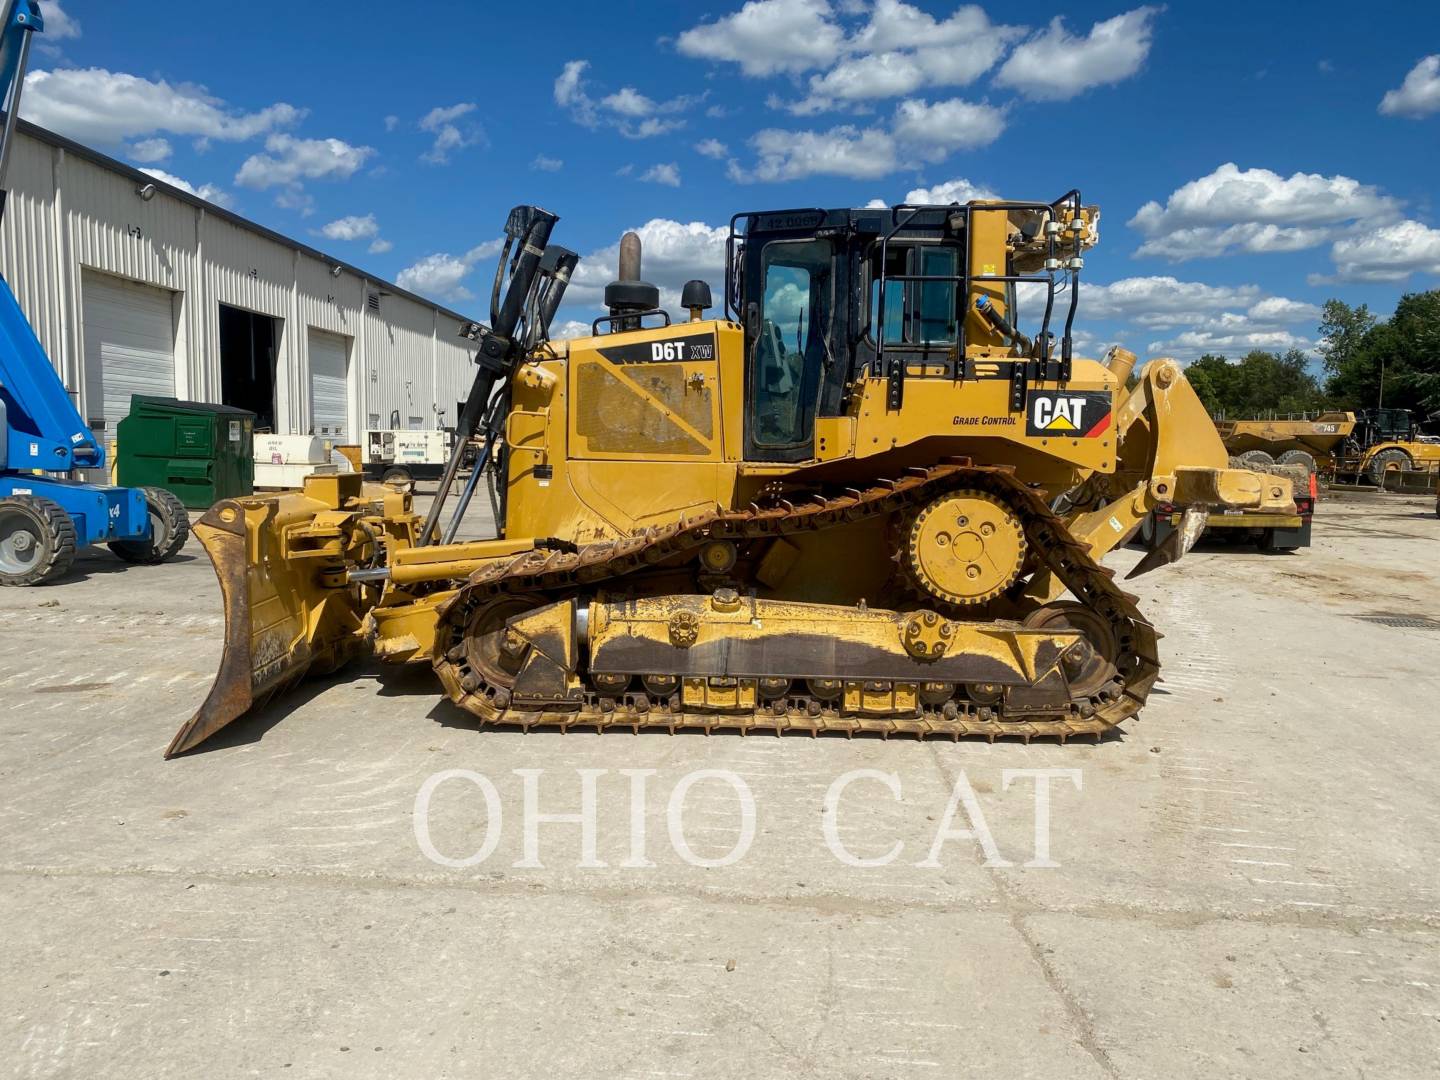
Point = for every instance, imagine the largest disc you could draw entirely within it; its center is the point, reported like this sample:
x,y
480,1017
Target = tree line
x,y
1366,362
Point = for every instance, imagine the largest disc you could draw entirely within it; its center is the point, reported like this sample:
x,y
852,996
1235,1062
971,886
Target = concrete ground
x,y
1247,882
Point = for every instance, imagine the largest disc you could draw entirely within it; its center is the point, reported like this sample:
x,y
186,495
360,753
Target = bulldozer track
x,y
552,574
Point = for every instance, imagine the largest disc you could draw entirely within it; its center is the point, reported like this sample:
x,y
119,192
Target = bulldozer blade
x,y
279,624
1175,546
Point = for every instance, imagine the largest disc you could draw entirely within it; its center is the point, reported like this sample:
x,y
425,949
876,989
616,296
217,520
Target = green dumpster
x,y
201,452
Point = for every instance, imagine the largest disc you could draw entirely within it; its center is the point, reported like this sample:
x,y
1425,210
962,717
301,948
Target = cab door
x,y
787,335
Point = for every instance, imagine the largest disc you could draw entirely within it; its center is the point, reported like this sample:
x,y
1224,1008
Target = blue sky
x,y
1250,160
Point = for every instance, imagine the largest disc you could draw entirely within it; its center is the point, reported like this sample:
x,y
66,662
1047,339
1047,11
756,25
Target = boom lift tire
x,y
169,529
397,477
37,540
1381,462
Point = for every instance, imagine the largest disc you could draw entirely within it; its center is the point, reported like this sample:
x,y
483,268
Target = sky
x,y
1249,161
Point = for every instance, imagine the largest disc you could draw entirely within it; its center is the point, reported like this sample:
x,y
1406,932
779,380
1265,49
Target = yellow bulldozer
x,y
861,499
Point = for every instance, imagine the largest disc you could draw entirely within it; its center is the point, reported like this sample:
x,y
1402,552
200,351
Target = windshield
x,y
791,344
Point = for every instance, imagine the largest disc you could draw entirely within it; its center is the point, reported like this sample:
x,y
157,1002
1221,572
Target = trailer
x,y
1268,531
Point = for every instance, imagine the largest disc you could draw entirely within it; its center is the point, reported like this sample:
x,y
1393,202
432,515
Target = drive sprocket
x,y
964,547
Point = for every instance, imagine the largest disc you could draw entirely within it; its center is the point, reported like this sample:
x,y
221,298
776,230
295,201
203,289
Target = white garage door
x,y
329,385
129,345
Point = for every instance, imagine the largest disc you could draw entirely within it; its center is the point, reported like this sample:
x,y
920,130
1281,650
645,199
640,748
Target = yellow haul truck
x,y
1314,444
1365,444
827,509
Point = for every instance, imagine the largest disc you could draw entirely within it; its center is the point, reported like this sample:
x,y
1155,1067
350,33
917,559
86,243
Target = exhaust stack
x,y
628,297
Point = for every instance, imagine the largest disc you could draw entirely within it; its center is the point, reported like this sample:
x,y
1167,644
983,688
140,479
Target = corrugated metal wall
x,y
66,212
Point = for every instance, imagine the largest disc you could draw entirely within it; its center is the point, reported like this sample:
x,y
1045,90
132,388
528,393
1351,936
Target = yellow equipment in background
x,y
861,500
1315,444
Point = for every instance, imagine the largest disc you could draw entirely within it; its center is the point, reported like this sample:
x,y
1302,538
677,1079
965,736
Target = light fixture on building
x,y
335,270
146,192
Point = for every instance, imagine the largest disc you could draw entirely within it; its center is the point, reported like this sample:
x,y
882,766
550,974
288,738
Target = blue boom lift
x,y
45,513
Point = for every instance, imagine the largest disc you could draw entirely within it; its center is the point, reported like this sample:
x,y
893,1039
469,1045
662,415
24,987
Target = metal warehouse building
x,y
134,286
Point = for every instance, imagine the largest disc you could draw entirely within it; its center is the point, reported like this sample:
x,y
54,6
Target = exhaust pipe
x,y
628,297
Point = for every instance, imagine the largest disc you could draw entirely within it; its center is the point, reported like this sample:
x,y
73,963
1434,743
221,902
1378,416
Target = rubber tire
x,y
1145,534
1297,457
168,512
57,535
1375,470
397,475
1254,457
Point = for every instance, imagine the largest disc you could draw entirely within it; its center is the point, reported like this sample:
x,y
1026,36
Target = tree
x,y
1261,384
1341,330
1395,362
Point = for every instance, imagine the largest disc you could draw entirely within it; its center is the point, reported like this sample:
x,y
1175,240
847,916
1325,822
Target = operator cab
x,y
1375,426
830,297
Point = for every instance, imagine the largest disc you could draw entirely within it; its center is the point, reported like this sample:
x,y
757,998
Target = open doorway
x,y
248,345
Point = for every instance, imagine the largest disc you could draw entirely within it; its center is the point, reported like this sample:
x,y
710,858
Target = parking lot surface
x,y
1246,880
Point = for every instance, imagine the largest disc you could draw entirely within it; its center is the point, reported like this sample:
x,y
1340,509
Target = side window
x,y
935,314
791,345
916,312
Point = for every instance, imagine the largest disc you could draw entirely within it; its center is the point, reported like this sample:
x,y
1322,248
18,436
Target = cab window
x,y
916,312
791,347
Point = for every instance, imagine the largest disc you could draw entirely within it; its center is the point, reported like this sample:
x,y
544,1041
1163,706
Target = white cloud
x,y
352,228
1055,64
1256,210
451,130
627,110
673,253
919,132
570,328
93,105
1194,343
295,198
149,151
436,275
1161,302
650,127
392,122
934,130
289,160
208,192
1280,309
841,151
902,49
667,174
1419,94
570,92
627,101
712,148
958,190
547,164
1390,253
379,246
441,115
1201,317
768,37
60,25
442,275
